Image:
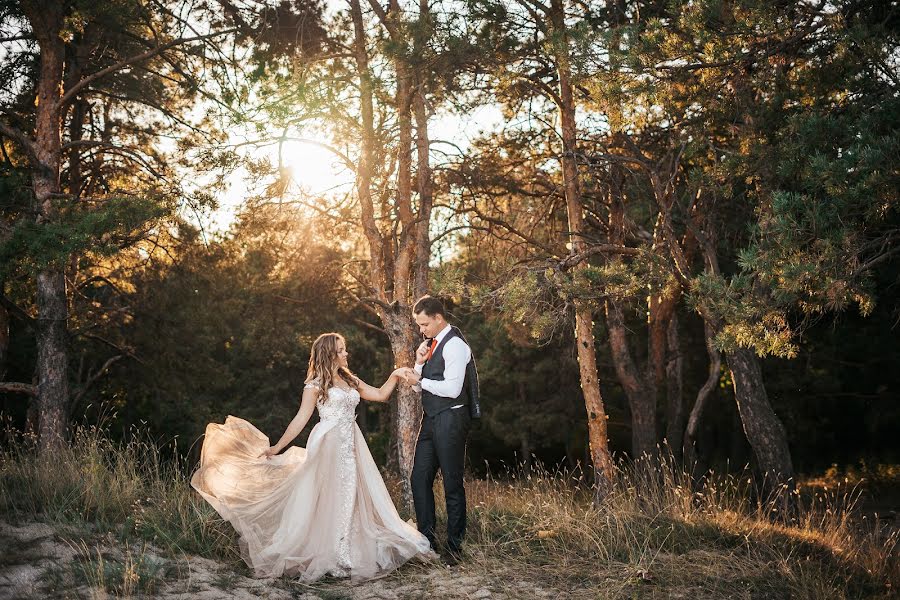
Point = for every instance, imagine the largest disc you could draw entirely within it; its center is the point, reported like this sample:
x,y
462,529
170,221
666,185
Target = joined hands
x,y
407,375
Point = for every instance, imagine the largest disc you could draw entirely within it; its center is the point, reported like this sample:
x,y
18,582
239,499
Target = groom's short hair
x,y
429,305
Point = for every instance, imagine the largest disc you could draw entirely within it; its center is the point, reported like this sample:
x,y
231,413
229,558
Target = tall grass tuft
x,y
134,573
112,486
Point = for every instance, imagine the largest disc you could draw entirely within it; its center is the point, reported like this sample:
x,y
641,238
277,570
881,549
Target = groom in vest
x,y
446,373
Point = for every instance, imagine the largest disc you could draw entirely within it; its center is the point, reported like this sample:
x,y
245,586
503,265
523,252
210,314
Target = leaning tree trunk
x,y
712,379
584,321
638,385
46,21
663,364
762,426
641,396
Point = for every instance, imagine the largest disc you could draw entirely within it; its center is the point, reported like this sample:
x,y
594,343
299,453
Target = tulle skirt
x,y
308,512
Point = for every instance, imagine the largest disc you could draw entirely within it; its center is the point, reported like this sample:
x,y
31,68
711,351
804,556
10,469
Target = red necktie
x,y
434,343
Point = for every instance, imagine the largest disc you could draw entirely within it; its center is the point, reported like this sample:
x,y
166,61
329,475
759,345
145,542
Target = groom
x,y
445,373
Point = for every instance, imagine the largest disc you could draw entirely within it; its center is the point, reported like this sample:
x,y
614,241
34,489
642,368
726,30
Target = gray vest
x,y
434,369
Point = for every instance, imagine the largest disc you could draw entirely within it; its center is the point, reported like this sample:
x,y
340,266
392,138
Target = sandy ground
x,y
38,560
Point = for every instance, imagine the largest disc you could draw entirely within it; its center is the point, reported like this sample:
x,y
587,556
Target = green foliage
x,y
793,150
528,300
748,321
530,392
812,245
32,247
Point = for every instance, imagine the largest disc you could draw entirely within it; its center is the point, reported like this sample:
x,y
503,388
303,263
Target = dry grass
x,y
658,534
124,574
106,486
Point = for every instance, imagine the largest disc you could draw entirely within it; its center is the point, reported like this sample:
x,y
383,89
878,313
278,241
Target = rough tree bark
x,y
761,425
425,186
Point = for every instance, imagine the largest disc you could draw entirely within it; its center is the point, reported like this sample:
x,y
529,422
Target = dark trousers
x,y
441,445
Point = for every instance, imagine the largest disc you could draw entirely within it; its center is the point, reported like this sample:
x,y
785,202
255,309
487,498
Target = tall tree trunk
x,y
663,358
661,305
377,275
407,415
52,363
763,428
674,390
46,19
395,257
424,180
584,330
398,322
761,425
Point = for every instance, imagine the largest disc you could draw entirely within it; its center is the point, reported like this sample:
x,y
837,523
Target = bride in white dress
x,y
314,511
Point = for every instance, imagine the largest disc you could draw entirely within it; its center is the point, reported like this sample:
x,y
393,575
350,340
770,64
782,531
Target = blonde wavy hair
x,y
322,360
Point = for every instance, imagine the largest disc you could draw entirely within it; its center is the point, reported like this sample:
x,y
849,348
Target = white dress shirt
x,y
456,355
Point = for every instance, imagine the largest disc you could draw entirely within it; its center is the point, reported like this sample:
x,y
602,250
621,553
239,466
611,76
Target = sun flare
x,y
314,169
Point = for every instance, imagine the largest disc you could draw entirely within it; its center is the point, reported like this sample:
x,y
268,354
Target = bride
x,y
314,511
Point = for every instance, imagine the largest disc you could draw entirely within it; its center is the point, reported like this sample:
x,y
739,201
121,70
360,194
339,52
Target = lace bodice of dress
x,y
340,406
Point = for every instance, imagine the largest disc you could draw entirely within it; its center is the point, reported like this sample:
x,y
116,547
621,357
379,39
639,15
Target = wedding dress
x,y
312,511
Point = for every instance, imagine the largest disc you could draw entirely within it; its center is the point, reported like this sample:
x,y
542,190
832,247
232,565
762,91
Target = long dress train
x,y
312,511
